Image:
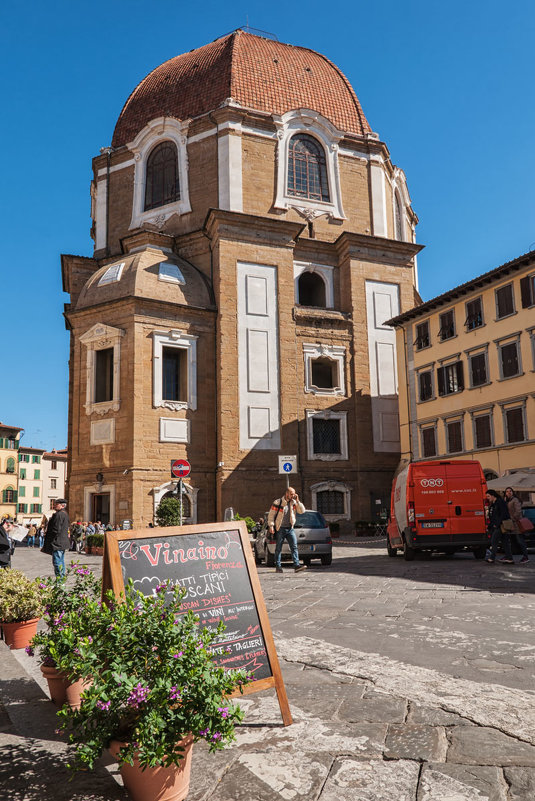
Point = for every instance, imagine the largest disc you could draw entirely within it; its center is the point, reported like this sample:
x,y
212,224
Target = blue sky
x,y
448,86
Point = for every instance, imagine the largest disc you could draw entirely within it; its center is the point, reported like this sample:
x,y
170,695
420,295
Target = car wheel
x,y
327,559
408,552
390,551
269,558
479,553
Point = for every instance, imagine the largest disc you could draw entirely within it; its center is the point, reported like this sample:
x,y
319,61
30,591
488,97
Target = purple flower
x,y
138,695
29,650
223,710
103,705
174,693
176,656
216,736
204,732
89,639
161,588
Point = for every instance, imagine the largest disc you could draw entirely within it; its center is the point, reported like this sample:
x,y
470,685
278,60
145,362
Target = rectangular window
x,y
505,301
429,442
425,381
324,373
22,473
36,474
36,459
450,378
514,424
454,432
36,492
447,325
174,372
482,431
527,291
22,492
53,465
423,339
103,375
53,483
11,444
509,360
21,507
478,369
330,502
35,507
474,314
326,435
52,503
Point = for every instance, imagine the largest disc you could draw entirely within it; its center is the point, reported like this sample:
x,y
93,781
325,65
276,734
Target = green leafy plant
x,y
67,613
154,681
21,598
95,540
168,512
249,522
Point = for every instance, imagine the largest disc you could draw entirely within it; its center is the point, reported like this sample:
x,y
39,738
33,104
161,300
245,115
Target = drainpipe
x,y
407,388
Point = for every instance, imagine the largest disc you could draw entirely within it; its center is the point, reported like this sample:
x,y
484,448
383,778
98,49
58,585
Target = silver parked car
x,y
313,541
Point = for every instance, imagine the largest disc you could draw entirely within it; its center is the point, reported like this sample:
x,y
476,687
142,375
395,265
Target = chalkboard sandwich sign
x,y
215,565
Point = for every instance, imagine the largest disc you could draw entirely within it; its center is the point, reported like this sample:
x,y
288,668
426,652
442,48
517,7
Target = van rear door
x,y
432,514
466,486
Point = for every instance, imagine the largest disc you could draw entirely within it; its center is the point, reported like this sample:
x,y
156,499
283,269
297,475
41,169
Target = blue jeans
x,y
58,560
286,534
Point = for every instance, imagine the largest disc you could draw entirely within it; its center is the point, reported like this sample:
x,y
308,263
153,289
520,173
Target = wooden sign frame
x,y
112,578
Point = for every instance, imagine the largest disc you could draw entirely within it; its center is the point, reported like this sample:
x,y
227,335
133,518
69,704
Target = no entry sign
x,y
180,468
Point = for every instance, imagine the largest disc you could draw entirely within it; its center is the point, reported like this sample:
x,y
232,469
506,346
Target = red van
x,y
438,506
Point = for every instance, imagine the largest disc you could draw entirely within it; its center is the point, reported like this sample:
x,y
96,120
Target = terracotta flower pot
x,y
19,634
157,784
62,689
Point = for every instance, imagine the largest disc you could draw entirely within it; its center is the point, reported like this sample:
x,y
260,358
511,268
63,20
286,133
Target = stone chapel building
x,y
251,236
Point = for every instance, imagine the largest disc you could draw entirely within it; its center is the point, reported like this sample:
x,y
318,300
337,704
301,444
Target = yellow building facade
x,y
468,362
9,474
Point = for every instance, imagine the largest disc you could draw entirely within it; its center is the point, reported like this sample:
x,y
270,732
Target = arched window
x,y
398,217
186,502
307,173
161,179
330,502
311,287
490,475
10,465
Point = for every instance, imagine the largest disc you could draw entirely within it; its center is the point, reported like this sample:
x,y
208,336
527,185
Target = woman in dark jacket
x,y
498,512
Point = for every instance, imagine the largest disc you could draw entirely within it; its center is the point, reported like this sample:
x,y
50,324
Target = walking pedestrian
x,y
515,512
57,537
31,535
498,529
6,526
281,519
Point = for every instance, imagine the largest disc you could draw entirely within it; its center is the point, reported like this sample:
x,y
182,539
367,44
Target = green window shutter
x,y
4,496
25,507
40,508
22,492
22,473
36,474
1,442
15,498
36,492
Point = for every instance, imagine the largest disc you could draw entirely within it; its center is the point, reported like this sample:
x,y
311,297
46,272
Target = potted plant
x,y
68,618
21,605
95,544
155,690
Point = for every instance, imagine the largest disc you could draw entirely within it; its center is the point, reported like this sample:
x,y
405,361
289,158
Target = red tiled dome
x,y
255,72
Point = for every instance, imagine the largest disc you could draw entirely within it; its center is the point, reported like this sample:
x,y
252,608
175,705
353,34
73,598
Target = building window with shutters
x,y
447,325
450,378
478,370
429,441
22,473
22,508
509,359
423,339
10,465
35,508
9,495
474,314
514,423
36,492
22,492
505,301
425,385
332,499
527,291
326,435
36,475
454,436
482,430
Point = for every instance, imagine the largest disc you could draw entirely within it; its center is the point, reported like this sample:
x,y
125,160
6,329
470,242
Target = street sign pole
x,y
180,490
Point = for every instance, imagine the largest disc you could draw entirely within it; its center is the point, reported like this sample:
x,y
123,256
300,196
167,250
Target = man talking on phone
x,y
281,519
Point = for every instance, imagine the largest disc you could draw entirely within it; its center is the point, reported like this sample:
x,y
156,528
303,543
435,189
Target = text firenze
x,y
161,551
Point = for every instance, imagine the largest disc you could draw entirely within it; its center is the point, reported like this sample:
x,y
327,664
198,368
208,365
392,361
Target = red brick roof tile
x,y
255,72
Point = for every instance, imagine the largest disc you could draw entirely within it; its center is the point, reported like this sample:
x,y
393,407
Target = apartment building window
x,y
24,457
36,474
36,492
52,503
429,441
509,359
22,492
483,431
35,507
474,314
478,369
450,378
454,436
10,465
505,301
53,465
9,495
10,443
423,340
425,385
36,459
447,325
22,508
53,483
22,473
326,435
514,424
527,291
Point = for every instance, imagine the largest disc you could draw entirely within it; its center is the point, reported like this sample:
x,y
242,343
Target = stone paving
x,y
406,681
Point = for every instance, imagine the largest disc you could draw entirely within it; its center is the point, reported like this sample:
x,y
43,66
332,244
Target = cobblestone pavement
x,y
410,681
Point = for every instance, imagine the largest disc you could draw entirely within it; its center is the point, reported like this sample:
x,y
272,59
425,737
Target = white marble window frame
x,y
306,121
174,339
332,486
326,414
336,354
162,129
101,337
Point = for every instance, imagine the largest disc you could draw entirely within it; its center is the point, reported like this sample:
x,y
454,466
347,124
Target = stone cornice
x,y
252,228
143,238
377,249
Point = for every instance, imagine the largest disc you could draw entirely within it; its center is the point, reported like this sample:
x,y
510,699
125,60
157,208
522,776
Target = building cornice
x,y
252,228
376,248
